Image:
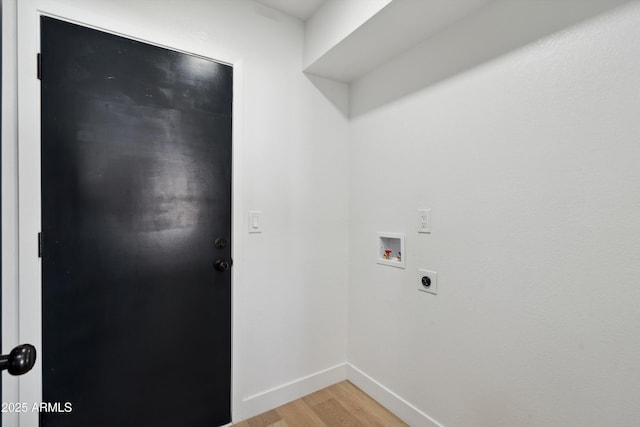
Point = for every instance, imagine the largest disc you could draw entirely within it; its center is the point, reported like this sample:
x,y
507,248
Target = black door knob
x,y
222,265
20,360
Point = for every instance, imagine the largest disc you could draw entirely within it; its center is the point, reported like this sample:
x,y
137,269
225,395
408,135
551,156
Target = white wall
x,y
290,287
333,21
530,164
459,36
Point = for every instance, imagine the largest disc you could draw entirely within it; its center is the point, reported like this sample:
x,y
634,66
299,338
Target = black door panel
x,y
136,188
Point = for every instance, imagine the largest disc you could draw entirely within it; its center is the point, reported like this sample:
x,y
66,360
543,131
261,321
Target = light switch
x,y
255,222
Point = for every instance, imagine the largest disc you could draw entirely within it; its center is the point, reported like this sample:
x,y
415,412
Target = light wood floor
x,y
342,404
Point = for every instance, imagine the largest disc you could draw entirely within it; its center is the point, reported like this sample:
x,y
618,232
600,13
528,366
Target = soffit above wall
x,y
408,45
398,26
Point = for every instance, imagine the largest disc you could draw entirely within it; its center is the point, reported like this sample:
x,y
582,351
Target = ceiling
x,y
301,9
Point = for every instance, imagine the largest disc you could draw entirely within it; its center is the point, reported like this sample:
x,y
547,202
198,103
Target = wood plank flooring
x,y
342,404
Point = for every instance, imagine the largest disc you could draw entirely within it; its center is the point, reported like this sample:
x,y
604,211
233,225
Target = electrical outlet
x,y
424,221
428,281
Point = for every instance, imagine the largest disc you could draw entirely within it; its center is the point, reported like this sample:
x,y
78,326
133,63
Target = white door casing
x,y
24,287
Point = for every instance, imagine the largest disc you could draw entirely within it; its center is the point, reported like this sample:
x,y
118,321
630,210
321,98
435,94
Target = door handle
x,y
223,265
20,360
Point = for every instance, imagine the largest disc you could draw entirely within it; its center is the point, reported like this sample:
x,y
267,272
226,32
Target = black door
x,y
136,232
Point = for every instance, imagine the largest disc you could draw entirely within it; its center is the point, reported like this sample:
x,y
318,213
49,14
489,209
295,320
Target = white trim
x,y
272,398
238,227
10,331
28,194
131,37
390,400
29,270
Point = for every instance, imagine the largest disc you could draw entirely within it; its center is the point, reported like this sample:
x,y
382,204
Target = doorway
x,y
136,231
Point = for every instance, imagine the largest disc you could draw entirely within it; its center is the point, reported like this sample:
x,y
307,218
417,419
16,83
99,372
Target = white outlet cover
x,y
433,288
423,221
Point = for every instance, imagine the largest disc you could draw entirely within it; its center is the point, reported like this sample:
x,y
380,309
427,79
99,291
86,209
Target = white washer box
x,y
394,243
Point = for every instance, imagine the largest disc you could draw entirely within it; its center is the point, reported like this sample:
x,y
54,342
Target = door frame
x,y
9,199
29,316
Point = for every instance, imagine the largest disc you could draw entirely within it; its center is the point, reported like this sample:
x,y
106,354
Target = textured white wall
x,y
292,280
530,164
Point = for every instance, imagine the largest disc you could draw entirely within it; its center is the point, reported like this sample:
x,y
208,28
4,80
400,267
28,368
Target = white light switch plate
x,y
255,222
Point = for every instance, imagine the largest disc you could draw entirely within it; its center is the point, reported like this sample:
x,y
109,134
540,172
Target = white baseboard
x,y
387,398
267,400
270,399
